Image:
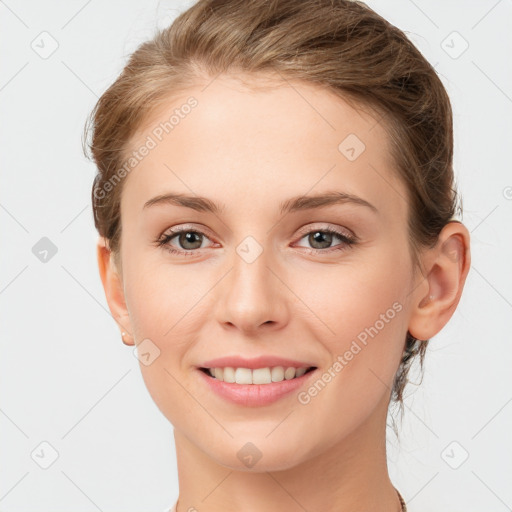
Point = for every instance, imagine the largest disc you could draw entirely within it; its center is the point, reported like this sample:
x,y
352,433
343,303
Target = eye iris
x,y
188,237
317,236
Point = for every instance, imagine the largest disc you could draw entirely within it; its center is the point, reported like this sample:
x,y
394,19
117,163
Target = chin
x,y
252,457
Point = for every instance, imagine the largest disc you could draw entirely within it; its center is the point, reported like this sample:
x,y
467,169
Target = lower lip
x,y
255,395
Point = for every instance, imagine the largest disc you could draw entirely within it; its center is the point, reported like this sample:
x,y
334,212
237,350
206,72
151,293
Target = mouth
x,y
256,376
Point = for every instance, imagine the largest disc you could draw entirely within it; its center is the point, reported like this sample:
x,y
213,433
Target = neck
x,y
349,476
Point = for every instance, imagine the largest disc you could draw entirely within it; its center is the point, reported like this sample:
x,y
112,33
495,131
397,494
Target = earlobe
x,y
127,339
438,296
114,290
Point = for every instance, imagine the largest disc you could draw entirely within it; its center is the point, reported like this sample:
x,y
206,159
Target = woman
x,y
275,202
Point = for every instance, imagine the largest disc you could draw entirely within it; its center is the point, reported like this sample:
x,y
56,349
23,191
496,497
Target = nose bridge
x,y
250,296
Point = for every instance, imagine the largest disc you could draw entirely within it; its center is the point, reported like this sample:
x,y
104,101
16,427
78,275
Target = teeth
x,y
300,372
289,373
256,376
277,374
243,376
259,375
228,375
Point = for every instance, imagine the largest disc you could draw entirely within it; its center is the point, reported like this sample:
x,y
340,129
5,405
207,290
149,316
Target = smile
x,y
265,375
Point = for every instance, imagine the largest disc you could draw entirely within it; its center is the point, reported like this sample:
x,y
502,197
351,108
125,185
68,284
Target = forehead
x,y
260,141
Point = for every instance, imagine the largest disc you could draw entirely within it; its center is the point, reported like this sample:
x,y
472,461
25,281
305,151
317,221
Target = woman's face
x,y
259,274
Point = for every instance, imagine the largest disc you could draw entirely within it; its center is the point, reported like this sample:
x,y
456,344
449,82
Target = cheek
x,y
367,315
341,301
160,297
360,319
161,300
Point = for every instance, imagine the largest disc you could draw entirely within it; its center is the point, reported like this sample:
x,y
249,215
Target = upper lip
x,y
257,362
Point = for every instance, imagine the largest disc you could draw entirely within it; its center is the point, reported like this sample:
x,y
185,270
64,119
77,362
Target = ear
x,y
114,290
438,293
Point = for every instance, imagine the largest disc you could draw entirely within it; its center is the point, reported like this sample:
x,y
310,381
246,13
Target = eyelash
x,y
348,242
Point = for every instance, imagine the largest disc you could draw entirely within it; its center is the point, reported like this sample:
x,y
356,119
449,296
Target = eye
x,y
321,240
188,240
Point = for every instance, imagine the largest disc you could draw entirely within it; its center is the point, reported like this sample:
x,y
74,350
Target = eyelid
x,y
199,228
305,230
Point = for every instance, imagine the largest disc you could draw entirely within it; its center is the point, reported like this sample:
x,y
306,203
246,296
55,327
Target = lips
x,y
258,362
254,395
262,393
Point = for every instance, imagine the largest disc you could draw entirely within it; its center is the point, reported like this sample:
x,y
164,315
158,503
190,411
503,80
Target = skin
x,y
250,149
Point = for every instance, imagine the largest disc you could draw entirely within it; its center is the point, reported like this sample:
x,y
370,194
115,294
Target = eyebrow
x,y
200,204
320,200
298,203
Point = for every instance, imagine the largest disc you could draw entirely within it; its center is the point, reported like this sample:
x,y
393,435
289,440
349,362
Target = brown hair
x,y
342,45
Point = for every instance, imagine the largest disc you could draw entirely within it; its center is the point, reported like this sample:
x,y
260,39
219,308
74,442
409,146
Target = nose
x,y
252,296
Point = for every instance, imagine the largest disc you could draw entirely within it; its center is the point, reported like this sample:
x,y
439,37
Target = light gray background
x,y
66,378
